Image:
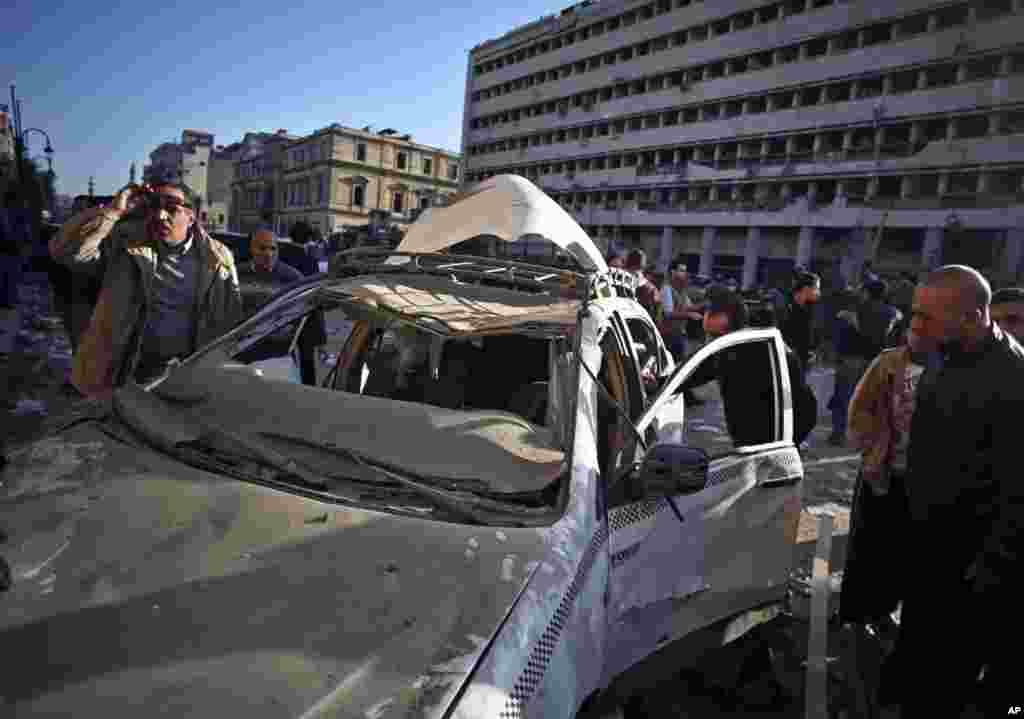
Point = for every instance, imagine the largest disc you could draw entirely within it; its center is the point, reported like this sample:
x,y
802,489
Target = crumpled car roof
x,y
462,308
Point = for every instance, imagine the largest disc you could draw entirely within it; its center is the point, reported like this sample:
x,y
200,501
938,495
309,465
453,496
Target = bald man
x,y
965,494
261,279
1008,311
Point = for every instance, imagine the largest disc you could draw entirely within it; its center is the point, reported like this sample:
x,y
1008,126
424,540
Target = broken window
x,y
940,76
913,25
652,122
720,27
738,65
888,186
789,54
972,126
817,48
743,21
869,87
670,118
951,16
756,105
636,123
769,13
655,84
844,42
711,111
614,162
643,49
877,34
699,33
810,96
679,38
962,183
926,185
691,114
782,100
983,68
905,81
734,108
1005,182
629,160
639,87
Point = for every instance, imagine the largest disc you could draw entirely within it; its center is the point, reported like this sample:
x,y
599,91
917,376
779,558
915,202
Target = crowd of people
x,y
929,373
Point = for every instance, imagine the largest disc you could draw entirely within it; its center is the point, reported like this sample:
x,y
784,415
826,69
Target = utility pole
x,y
91,183
131,174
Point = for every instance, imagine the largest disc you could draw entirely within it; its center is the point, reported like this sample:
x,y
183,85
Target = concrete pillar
x,y
961,73
819,141
995,123
887,84
906,186
983,182
707,250
691,194
861,37
879,137
943,184
665,249
764,149
802,52
1014,252
915,132
897,30
790,145
786,191
933,22
922,77
872,189
805,247
847,140
931,253
776,57
852,260
717,156
854,89
750,255
769,103
677,157
951,130
830,46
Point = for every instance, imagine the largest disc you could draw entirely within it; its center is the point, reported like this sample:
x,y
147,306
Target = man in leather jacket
x,y
966,502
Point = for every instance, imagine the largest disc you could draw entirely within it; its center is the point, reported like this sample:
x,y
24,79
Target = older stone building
x,y
337,175
750,135
257,179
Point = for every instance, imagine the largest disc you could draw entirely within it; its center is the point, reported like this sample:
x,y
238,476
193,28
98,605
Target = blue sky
x,y
111,81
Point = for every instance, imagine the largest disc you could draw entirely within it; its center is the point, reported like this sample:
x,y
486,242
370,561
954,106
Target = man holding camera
x,y
167,287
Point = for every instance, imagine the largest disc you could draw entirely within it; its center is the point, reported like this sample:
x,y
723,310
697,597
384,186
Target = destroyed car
x,y
495,505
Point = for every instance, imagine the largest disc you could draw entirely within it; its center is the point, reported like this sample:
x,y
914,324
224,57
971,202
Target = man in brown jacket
x,y
167,287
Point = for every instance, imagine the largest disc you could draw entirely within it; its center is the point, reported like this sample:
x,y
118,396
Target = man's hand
x,y
127,198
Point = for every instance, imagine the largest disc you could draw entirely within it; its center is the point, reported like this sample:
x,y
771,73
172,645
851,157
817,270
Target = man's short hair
x,y
974,290
636,259
876,289
191,198
1008,295
806,279
729,303
677,265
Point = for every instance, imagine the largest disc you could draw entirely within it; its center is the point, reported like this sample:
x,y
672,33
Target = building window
x,y
358,195
401,161
424,203
427,166
453,172
361,152
321,190
396,201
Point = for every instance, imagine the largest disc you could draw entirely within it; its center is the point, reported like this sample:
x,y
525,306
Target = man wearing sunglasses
x,y
167,287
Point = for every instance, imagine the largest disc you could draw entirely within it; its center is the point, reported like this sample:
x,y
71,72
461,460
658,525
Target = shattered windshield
x,y
484,415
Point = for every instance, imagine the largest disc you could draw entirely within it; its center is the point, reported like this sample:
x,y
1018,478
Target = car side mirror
x,y
670,469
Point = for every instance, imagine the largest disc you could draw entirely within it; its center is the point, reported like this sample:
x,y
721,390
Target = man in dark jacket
x,y
260,279
727,312
797,329
879,323
966,502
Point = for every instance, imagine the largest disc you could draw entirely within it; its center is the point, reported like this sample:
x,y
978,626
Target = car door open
x,y
708,528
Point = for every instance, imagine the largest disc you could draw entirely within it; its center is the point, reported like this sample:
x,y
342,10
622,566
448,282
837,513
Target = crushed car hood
x,y
500,450
508,207
143,583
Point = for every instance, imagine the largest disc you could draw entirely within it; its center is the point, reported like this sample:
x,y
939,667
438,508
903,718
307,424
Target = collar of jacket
x,y
216,259
956,355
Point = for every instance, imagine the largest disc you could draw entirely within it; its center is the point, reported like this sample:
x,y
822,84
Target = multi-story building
x,y
257,177
750,135
6,147
187,161
219,178
336,176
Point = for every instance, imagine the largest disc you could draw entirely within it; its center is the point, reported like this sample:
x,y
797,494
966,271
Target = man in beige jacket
x,y
167,287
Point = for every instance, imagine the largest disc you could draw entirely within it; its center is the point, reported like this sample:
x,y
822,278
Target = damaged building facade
x,y
753,136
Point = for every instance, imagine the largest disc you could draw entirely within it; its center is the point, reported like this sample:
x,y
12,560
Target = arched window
x,y
358,195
